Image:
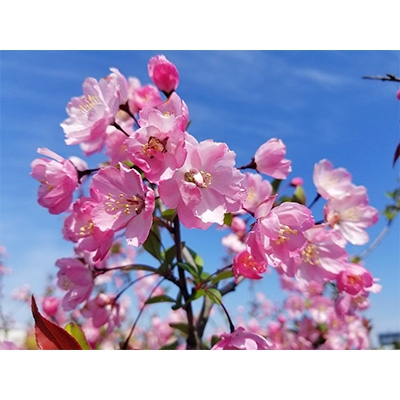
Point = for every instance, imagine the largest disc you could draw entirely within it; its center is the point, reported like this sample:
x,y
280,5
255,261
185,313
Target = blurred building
x,y
389,340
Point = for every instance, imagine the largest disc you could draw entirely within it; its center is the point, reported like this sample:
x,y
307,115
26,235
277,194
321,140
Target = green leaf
x,y
153,243
214,295
139,267
299,195
170,346
188,268
228,217
77,332
180,326
169,255
196,258
169,214
160,299
198,293
221,276
275,185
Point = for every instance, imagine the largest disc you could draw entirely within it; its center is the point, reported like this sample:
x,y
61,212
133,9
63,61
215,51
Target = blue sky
x,y
315,101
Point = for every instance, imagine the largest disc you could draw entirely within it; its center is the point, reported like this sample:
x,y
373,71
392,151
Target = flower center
x,y
124,204
87,229
88,103
310,254
154,146
200,178
284,234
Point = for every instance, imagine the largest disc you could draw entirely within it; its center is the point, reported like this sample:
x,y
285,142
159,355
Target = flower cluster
x,y
158,176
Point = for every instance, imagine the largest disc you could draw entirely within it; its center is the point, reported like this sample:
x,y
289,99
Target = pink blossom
x,y
163,73
295,305
50,305
233,243
330,182
158,146
174,108
142,96
102,310
58,180
320,259
258,189
77,279
279,230
269,159
354,279
398,94
320,308
124,202
297,181
242,340
90,115
244,264
351,215
80,228
206,187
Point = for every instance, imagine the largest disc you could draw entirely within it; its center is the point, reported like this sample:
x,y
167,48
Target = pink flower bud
x,y
50,305
163,73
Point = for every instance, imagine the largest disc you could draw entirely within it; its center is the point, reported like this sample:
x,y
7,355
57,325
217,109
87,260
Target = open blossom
x,y
102,310
163,73
80,228
157,146
351,215
140,96
77,279
330,182
244,264
354,279
90,114
242,340
206,187
320,259
257,188
279,231
123,202
269,159
58,180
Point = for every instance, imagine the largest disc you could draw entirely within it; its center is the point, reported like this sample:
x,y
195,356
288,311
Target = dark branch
x,y
388,77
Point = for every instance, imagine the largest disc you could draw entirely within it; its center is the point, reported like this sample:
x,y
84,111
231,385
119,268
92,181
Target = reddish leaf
x,y
50,336
396,154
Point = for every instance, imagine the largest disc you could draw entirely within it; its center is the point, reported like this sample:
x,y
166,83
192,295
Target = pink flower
x,y
80,228
354,279
242,340
279,231
92,113
102,310
124,202
351,215
158,146
244,264
398,94
258,189
320,259
269,159
58,180
142,96
50,305
206,187
163,73
330,182
77,279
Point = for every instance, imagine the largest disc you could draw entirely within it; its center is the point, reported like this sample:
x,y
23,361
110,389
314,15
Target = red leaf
x,y
50,336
